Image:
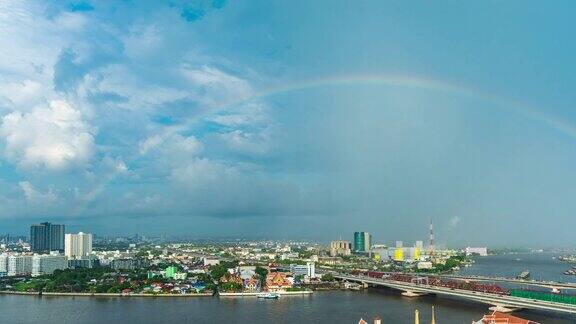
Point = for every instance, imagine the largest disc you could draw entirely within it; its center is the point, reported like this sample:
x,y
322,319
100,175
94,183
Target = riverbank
x,y
63,294
254,294
223,294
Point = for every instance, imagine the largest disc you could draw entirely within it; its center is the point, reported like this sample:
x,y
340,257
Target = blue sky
x,y
304,119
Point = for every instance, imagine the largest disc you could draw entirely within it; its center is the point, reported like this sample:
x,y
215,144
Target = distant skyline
x,y
304,119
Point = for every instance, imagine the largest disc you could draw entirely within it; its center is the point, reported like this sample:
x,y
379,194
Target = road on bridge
x,y
487,298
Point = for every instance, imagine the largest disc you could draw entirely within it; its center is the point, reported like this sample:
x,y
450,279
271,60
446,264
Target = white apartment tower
x,y
77,245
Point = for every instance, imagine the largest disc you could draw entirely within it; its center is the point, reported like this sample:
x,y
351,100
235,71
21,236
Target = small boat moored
x,y
268,295
524,275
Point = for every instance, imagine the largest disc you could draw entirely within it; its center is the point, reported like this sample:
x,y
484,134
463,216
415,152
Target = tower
x,y
47,237
78,245
431,237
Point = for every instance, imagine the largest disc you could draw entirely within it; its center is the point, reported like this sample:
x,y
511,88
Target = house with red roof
x,y
277,281
502,318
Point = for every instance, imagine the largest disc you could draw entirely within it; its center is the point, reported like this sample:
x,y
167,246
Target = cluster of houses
x,y
194,286
246,278
251,281
243,276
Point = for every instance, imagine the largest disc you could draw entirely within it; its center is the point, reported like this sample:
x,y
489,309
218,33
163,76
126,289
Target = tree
x,y
218,271
327,277
262,273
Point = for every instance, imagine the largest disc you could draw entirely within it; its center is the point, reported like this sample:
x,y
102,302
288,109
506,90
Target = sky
x,y
291,119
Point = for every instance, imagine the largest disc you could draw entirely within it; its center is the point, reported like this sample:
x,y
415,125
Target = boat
x,y
268,295
524,275
567,258
571,272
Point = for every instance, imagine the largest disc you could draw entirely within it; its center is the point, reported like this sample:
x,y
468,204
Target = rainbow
x,y
386,80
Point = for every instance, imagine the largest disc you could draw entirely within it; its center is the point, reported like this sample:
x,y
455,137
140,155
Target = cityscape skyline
x,y
211,119
287,161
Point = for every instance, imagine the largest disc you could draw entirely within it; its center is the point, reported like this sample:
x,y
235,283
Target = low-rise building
x,y
127,264
170,272
247,272
252,284
83,262
380,253
277,281
180,276
19,265
424,265
3,264
481,251
309,269
211,262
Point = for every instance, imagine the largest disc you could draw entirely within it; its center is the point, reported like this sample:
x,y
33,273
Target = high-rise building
x,y
431,238
46,264
340,248
77,245
46,237
362,241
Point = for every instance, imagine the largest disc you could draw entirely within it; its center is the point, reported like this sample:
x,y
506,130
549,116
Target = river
x,y
321,307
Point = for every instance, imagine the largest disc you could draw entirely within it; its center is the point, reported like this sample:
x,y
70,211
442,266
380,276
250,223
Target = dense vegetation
x,y
95,280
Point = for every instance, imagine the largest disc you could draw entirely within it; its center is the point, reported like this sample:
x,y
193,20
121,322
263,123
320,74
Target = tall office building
x,y
46,237
362,241
78,245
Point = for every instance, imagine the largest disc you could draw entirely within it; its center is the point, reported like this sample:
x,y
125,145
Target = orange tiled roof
x,y
501,318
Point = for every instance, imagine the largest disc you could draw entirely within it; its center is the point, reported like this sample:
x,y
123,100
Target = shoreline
x,y
115,295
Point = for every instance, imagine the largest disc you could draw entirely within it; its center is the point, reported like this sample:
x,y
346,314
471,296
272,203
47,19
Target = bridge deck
x,y
487,298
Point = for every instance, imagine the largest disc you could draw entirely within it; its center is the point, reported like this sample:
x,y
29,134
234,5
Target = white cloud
x,y
249,142
53,137
171,144
23,94
454,221
217,87
204,173
249,114
249,128
64,72
36,197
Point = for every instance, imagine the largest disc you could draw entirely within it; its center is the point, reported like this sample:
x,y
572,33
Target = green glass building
x,y
362,241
